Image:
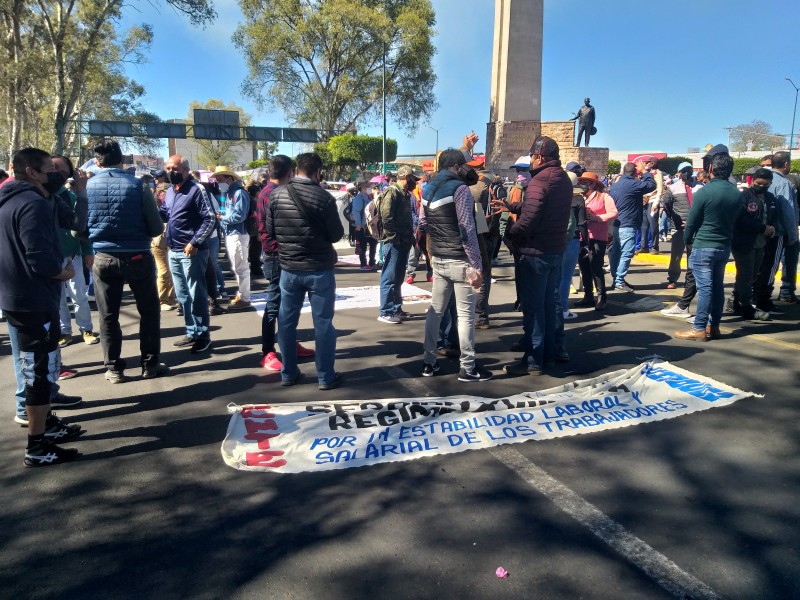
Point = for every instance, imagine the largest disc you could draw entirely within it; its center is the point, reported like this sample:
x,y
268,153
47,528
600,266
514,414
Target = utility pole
x,y
794,112
437,137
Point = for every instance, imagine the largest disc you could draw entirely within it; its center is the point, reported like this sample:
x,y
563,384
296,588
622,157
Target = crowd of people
x,y
162,235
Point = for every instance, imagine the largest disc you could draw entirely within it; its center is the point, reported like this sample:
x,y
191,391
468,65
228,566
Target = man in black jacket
x,y
304,221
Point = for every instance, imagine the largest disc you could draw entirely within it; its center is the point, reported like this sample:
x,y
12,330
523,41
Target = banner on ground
x,y
367,296
322,436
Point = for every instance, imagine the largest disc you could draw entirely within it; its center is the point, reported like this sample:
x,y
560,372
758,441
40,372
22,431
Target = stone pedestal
x,y
563,132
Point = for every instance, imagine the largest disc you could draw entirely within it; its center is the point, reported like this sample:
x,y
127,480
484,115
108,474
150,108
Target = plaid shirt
x,y
268,245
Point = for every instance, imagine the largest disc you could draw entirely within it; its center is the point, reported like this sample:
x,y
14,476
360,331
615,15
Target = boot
x,y
601,302
587,302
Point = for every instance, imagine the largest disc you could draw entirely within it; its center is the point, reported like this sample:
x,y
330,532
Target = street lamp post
x,y
794,113
437,137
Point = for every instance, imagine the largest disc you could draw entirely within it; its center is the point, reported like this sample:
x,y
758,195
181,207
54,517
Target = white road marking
x,y
655,565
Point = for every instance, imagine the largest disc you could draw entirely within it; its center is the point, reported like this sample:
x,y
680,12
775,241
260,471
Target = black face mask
x,y
55,181
470,176
759,189
584,188
175,177
411,186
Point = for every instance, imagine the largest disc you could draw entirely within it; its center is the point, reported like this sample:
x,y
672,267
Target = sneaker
x,y
153,371
410,278
671,285
21,419
569,315
291,381
624,287
65,340
675,311
303,352
482,325
391,319
430,278
403,315
788,298
223,297
56,430
654,251
115,376
67,374
760,315
271,362
448,352
522,367
366,268
430,370
201,344
238,303
90,297
333,384
46,454
168,307
89,338
63,401
216,310
179,311
184,342
477,374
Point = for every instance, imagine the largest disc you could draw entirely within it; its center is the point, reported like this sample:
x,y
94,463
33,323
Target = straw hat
x,y
227,172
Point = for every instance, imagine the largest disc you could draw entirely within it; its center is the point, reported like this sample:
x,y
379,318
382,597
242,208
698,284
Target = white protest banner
x,y
296,438
368,296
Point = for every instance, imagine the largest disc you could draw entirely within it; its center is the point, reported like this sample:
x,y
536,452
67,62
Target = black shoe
x,y
521,367
184,342
153,371
292,381
517,347
403,315
586,302
46,454
55,430
63,401
201,344
333,384
216,309
179,311
430,370
788,298
562,356
601,303
477,374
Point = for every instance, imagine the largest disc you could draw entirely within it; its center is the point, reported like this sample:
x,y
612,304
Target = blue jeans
x,y
321,289
189,277
789,277
395,258
540,277
19,393
271,267
622,250
568,262
213,250
708,266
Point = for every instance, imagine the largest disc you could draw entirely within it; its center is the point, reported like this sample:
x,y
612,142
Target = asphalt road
x,y
702,506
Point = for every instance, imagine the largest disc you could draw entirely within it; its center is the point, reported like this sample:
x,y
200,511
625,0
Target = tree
x,y
218,152
614,167
266,150
322,61
755,136
358,150
62,60
670,163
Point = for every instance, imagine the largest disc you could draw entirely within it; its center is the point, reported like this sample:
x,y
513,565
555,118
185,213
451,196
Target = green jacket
x,y
715,208
398,224
71,246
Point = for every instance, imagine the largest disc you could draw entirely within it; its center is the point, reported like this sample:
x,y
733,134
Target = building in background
x,y
244,152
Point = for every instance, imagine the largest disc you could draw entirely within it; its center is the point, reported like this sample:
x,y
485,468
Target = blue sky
x,y
662,76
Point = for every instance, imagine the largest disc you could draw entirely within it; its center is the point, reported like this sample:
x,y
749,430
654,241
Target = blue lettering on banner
x,y
698,389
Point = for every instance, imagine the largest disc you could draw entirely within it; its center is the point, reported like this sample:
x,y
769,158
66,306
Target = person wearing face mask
x,y
237,240
750,234
600,213
512,205
448,216
539,235
191,221
32,272
398,237
123,220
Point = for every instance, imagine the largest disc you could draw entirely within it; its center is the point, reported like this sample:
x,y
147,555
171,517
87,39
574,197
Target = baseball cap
x,y
684,165
544,146
574,167
523,162
470,160
405,171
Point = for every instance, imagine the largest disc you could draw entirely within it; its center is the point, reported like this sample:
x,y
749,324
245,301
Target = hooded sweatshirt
x,y
30,250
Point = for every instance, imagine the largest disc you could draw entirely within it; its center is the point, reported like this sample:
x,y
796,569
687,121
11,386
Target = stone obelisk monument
x,y
516,93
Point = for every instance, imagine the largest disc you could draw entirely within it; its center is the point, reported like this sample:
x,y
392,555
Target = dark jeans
x,y
789,275
37,334
674,270
138,270
482,306
271,267
762,286
364,242
649,231
746,261
395,257
540,278
591,266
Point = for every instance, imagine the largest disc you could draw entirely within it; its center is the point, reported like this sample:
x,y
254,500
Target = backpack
x,y
372,216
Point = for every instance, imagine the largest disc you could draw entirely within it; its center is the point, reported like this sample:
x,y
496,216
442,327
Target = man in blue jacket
x,y
123,219
628,194
32,272
237,240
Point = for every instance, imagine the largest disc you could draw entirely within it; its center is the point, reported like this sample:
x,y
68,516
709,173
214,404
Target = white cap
x,y
523,162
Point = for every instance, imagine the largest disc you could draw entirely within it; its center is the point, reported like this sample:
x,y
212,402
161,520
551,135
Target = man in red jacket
x,y
539,235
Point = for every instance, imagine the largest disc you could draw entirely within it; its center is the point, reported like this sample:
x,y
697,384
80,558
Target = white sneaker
x,y
761,315
568,315
675,311
391,319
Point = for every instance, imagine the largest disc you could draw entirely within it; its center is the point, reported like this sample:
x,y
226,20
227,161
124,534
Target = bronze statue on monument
x,y
585,117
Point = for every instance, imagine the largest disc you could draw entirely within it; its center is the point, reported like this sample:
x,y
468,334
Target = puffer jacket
x,y
545,211
304,245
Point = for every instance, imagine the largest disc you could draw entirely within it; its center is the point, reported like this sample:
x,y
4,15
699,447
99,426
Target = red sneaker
x,y
410,279
303,352
66,374
430,278
270,362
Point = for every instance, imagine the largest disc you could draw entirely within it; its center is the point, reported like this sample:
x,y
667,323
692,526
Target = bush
x,y
740,165
614,167
352,149
670,164
255,164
